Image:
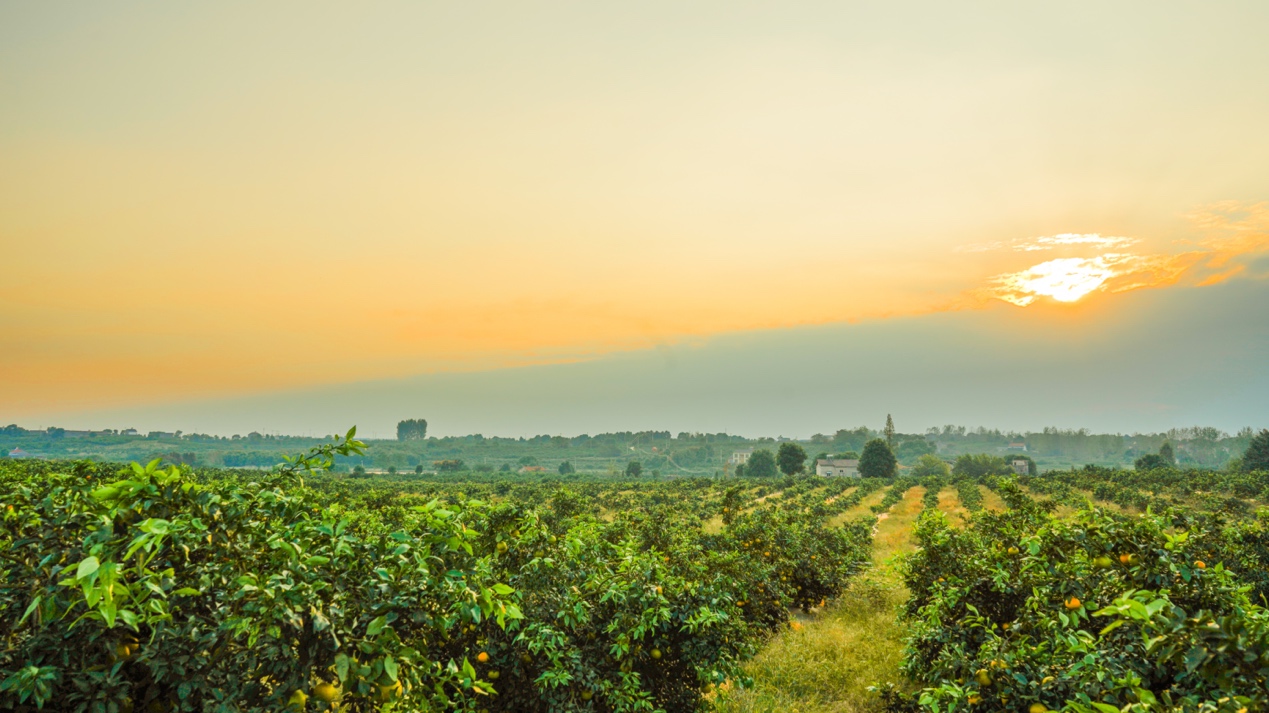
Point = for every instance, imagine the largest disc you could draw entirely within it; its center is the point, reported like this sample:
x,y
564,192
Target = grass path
x,y
991,500
827,660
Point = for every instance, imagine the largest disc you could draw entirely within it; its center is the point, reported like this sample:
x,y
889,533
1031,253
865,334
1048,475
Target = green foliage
x,y
448,466
1167,454
1096,613
1256,457
566,468
155,590
216,591
1150,461
413,429
877,460
762,464
980,465
791,458
930,465
634,469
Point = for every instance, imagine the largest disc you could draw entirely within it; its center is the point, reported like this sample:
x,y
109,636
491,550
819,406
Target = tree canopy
x,y
980,464
412,429
878,460
791,458
1257,455
930,465
762,464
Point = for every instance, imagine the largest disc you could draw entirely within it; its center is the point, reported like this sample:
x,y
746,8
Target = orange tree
x,y
647,611
155,592
247,591
1100,612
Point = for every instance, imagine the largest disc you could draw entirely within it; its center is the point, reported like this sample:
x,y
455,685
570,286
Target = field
x,y
162,589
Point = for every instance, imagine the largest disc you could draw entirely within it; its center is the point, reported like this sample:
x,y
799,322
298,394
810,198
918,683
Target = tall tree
x,y
761,464
1167,454
877,460
412,429
634,469
791,458
889,431
1257,455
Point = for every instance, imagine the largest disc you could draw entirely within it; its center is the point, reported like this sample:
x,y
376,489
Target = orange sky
x,y
224,199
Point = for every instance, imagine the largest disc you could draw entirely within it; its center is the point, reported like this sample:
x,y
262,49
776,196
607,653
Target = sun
x,y
1063,279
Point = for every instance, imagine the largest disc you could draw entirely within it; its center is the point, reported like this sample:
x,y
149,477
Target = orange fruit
x,y
1200,564
482,657
1073,603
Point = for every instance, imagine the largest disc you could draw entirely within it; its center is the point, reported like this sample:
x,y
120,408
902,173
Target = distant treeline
x,y
684,452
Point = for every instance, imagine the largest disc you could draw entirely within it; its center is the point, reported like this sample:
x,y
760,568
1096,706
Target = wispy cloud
x,y
1231,233
1053,242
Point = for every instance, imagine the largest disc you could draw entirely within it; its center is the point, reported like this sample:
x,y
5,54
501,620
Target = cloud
x,y
1069,279
1232,234
1052,242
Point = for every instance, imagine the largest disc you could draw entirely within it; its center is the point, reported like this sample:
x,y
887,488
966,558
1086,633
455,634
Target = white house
x,y
740,457
1021,466
837,467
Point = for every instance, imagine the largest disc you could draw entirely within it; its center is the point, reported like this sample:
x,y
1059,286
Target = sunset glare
x,y
212,201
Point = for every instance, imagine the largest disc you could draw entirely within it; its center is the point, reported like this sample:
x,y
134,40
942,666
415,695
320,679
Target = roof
x,y
838,463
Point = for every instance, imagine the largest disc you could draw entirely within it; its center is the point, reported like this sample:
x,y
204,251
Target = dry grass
x,y
863,508
827,664
950,503
992,501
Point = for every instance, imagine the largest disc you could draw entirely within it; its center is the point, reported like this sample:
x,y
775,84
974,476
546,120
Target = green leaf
x,y
187,592
30,608
503,589
341,667
87,568
376,626
390,667
316,560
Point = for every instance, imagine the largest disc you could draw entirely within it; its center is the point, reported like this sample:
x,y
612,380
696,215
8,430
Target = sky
x,y
286,216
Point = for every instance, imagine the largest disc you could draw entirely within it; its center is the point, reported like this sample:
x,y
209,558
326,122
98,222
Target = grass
x,y
825,662
950,503
992,501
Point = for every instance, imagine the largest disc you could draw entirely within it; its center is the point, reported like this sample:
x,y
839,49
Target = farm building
x,y
837,467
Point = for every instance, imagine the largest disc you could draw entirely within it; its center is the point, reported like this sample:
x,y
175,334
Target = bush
x,y
1092,613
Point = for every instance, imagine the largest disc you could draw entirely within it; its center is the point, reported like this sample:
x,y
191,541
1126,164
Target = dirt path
x,y
826,663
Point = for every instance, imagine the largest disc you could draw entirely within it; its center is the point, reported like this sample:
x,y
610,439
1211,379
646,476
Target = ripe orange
x,y
326,692
482,657
1200,564
1073,603
1125,559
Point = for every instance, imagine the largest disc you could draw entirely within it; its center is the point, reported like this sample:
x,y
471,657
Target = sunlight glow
x,y
1063,279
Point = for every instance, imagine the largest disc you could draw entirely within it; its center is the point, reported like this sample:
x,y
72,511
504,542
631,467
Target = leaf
x,y
30,608
390,667
316,560
1106,708
341,667
187,592
503,589
87,568
376,626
